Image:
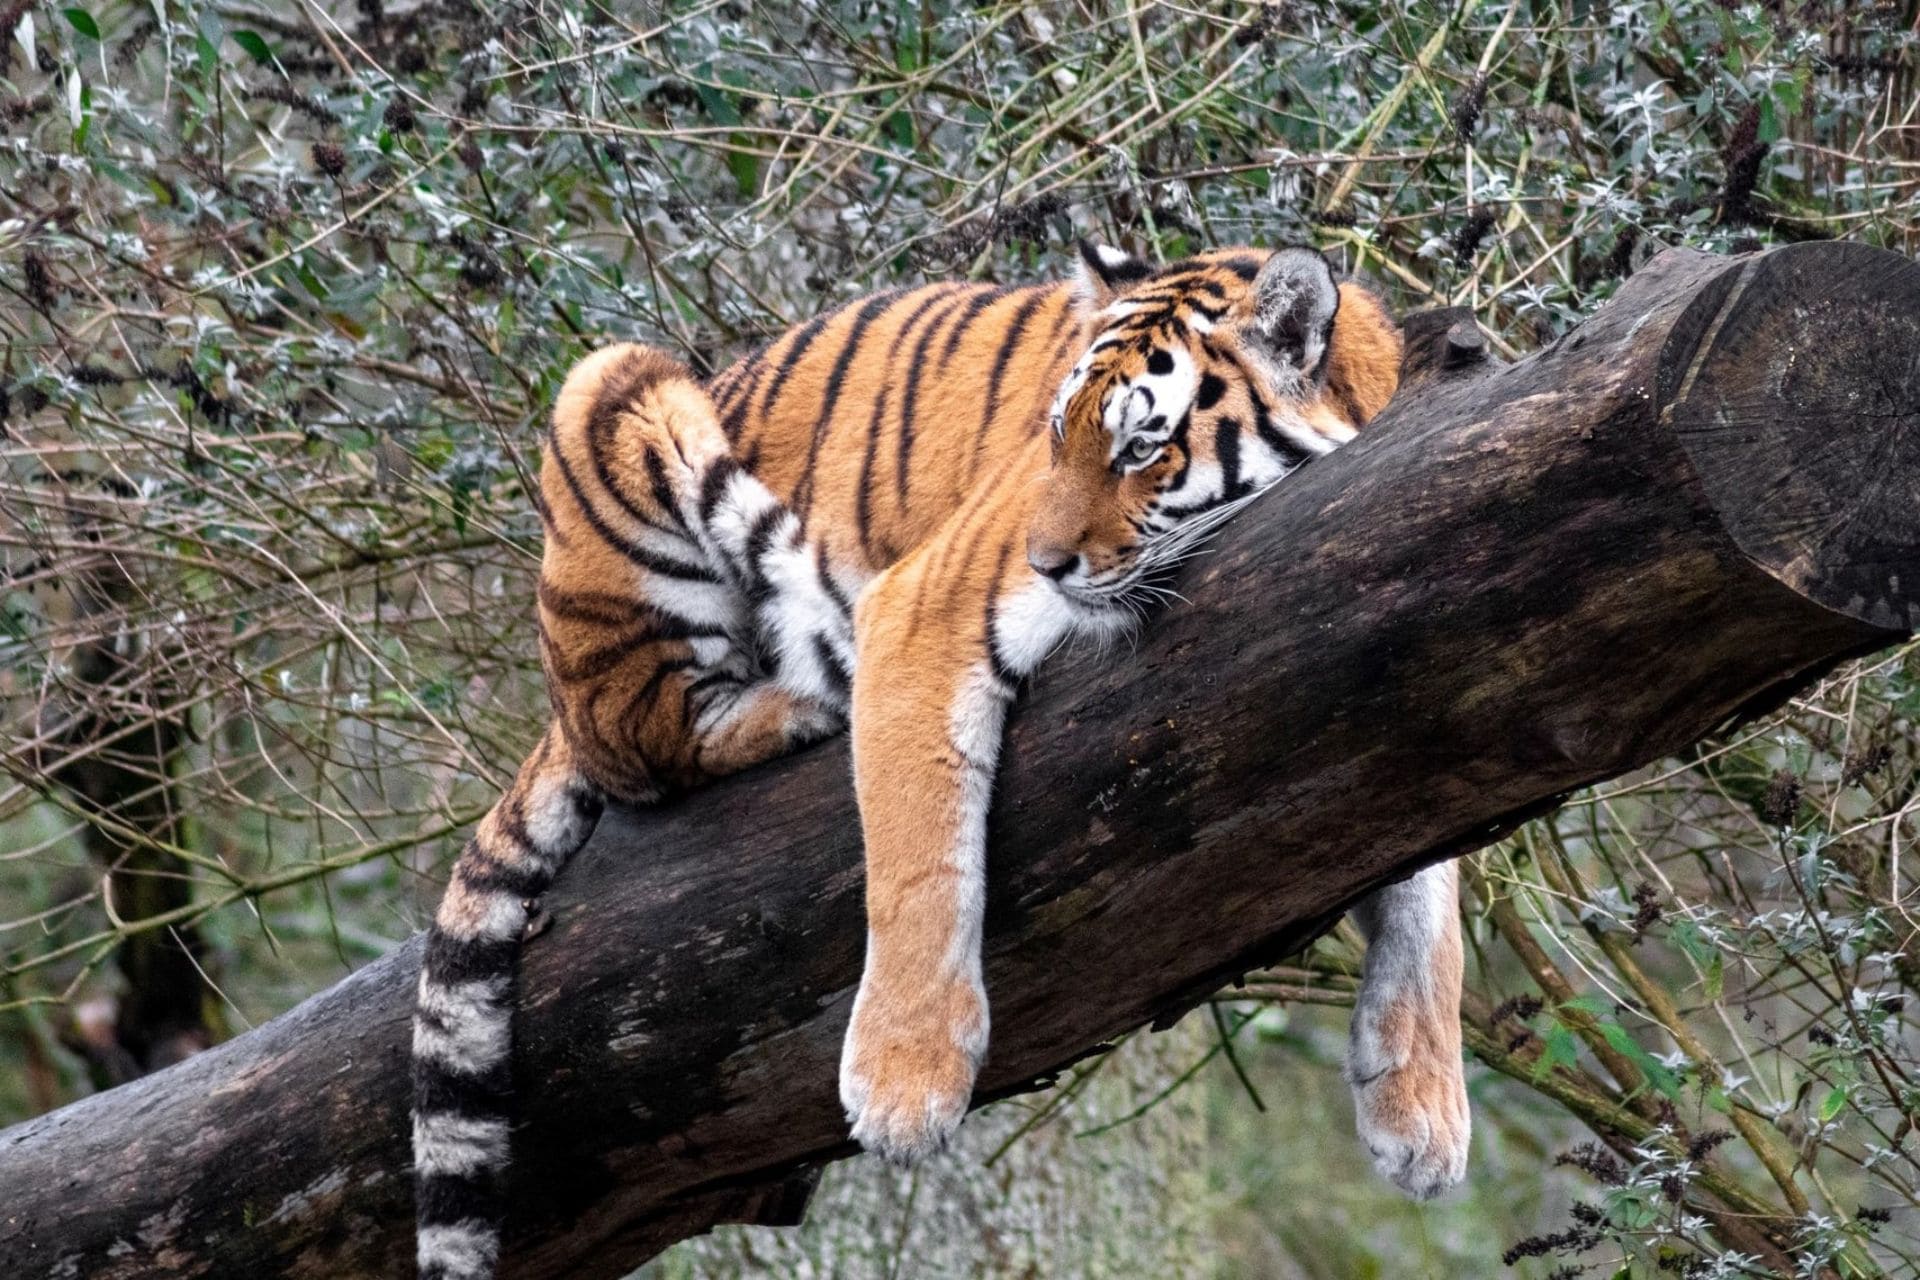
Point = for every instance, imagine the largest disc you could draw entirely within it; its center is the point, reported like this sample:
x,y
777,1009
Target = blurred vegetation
x,y
285,290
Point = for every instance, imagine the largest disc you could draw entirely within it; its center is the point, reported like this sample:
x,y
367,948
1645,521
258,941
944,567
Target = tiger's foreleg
x,y
928,709
942,640
1403,1059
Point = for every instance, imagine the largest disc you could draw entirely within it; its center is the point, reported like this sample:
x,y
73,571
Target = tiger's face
x,y
1202,384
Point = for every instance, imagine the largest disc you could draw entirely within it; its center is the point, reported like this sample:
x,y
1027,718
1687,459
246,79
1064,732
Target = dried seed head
x,y
1596,1161
1464,111
1741,157
1466,240
329,158
1647,912
1519,1008
305,104
1704,1143
39,279
1781,803
399,115
1861,765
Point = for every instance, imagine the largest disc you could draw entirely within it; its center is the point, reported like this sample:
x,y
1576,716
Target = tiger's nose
x,y
1051,561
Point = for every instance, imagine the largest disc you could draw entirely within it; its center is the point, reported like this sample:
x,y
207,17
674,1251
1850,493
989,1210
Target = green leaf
x,y
719,106
209,56
1831,1105
1561,1051
1661,1077
311,280
1787,94
254,44
1716,977
1769,130
83,23
86,118
745,168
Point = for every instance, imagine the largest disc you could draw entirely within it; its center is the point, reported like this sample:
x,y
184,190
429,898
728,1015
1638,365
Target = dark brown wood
x,y
1522,579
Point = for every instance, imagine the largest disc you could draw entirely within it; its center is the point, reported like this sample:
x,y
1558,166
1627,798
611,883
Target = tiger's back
x,y
875,421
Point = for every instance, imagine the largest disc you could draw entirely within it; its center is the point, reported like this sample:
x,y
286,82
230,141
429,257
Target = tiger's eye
x,y
1140,449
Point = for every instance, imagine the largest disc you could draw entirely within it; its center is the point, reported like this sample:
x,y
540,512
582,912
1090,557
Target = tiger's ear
x,y
1294,301
1105,271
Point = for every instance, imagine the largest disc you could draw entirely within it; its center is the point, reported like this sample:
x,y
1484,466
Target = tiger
x,y
884,521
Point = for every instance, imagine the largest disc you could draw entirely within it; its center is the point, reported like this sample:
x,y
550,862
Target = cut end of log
x,y
1439,342
1794,385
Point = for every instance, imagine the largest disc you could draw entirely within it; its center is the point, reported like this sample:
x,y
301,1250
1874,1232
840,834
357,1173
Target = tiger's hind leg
x,y
669,576
689,621
1403,1059
802,606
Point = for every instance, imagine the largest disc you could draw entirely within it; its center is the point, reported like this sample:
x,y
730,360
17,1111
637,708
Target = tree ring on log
x,y
1793,383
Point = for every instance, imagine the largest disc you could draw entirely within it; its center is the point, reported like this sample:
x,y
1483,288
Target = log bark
x,y
1519,581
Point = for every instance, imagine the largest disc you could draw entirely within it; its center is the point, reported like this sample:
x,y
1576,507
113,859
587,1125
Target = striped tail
x,y
462,1026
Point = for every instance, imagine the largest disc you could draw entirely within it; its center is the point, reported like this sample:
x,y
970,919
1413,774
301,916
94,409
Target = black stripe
x,y
573,667
1178,439
517,879
713,486
662,672
1010,340
910,397
479,1095
827,584
667,566
803,338
663,495
758,539
975,309
510,818
870,311
1226,451
604,421
446,1199
1290,453
836,671
611,483
588,804
1212,387
734,408
863,492
632,551
451,960
601,608
722,385
1192,509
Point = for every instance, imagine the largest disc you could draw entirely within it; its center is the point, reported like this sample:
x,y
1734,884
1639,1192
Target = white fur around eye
x,y
1076,376
1151,404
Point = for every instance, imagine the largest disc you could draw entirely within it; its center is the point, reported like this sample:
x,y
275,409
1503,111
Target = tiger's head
x,y
1203,382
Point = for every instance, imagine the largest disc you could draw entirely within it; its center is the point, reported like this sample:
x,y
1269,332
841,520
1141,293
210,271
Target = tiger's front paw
x,y
1409,1094
906,1078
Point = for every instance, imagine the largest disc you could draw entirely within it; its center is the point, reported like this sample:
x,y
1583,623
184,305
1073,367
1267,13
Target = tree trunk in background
x,y
113,746
1519,581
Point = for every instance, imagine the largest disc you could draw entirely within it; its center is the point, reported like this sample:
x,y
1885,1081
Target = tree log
x,y
1519,581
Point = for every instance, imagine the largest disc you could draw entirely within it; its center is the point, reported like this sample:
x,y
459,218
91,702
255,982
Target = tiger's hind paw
x,y
1410,1101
